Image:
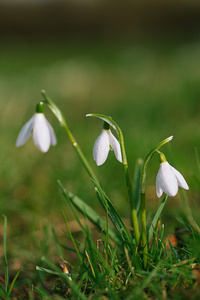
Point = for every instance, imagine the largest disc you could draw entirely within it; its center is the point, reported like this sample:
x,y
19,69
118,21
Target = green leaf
x,y
5,254
3,293
72,239
57,243
73,285
137,183
157,216
41,269
114,216
91,214
13,282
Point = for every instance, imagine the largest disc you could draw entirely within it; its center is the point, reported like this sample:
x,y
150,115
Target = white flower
x,y
43,133
105,142
168,179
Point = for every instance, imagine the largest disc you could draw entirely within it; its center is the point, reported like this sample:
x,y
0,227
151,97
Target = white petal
x,y
166,180
52,134
159,190
101,147
25,133
181,181
41,133
116,147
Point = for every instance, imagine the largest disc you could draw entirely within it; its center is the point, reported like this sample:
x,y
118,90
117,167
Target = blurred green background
x,y
137,62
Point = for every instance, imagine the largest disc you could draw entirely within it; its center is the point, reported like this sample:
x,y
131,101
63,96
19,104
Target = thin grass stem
x,y
5,255
107,234
72,239
90,263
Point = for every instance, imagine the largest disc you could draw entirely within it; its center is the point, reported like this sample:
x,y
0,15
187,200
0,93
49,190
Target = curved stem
x,y
143,205
58,114
147,158
134,218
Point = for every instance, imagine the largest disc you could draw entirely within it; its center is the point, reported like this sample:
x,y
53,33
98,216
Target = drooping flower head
x,y
43,133
168,179
105,142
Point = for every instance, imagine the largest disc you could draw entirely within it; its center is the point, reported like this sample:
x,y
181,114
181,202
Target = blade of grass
x,y
13,281
91,214
5,255
107,234
157,216
74,287
90,263
57,243
41,269
137,183
72,239
114,216
176,256
3,293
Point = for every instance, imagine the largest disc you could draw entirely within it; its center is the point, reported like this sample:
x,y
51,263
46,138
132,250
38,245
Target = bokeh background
x,y
137,61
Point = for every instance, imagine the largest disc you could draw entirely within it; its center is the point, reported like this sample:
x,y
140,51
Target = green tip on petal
x,y
40,107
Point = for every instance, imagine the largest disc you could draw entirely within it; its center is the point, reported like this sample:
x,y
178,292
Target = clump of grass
x,y
107,270
122,262
7,287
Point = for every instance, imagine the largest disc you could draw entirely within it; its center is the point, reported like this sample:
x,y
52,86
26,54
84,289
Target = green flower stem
x,y
132,204
134,218
58,114
143,206
144,230
129,186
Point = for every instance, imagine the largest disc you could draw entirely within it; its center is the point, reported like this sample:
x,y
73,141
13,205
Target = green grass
x,y
150,89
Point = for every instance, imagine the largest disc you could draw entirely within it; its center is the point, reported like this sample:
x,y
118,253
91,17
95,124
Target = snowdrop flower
x,y
105,142
168,179
43,133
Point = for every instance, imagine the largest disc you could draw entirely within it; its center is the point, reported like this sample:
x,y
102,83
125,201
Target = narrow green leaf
x,y
176,256
57,243
13,282
41,293
114,216
71,206
137,183
157,216
72,239
3,293
46,270
91,214
73,285
5,254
